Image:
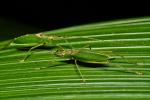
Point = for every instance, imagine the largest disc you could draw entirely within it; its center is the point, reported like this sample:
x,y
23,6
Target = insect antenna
x,y
7,44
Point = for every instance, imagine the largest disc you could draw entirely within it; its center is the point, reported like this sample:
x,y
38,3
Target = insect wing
x,y
90,57
27,39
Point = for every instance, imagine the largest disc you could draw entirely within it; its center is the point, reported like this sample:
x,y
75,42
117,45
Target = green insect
x,y
86,56
40,39
89,57
33,41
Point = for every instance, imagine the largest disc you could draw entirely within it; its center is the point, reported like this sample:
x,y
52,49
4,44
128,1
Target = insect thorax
x,y
66,53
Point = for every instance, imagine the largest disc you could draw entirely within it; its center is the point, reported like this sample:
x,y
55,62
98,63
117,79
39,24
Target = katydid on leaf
x,y
36,40
84,56
33,41
89,57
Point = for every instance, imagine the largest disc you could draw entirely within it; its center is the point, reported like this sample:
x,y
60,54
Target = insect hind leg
x,y
126,61
83,79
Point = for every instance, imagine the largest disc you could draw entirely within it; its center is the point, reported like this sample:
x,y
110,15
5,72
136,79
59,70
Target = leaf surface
x,y
45,76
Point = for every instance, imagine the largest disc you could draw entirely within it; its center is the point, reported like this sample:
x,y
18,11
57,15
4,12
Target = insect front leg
x,y
29,52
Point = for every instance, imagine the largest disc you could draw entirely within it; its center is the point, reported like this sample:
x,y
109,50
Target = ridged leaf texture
x,y
45,76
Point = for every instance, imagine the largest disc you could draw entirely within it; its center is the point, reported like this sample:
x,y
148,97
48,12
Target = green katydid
x,y
39,39
88,56
36,40
33,41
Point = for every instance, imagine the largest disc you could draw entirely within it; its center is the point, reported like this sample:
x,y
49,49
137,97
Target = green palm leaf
x,y
45,76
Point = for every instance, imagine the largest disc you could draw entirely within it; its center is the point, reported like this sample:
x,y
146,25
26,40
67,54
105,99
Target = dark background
x,y
44,15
